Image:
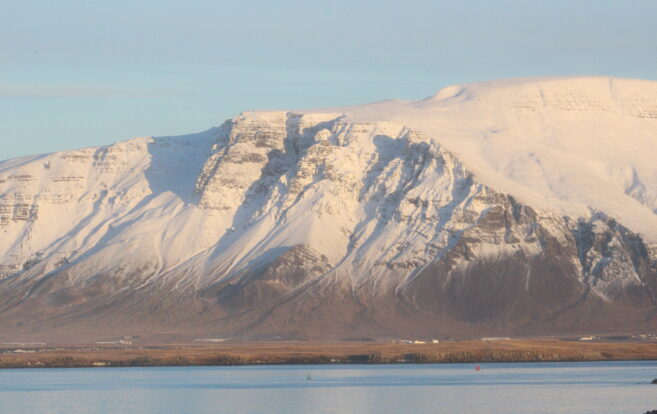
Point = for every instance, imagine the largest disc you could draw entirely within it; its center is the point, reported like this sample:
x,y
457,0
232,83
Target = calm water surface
x,y
614,387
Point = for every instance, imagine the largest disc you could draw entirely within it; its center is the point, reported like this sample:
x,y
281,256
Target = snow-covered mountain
x,y
519,207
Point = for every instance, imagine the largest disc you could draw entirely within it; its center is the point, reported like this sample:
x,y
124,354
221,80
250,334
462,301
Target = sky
x,y
91,72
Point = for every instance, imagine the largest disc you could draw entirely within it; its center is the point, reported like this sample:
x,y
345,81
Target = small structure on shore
x,y
118,342
212,340
587,338
417,341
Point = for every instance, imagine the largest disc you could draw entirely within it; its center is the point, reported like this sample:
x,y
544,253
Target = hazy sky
x,y
91,72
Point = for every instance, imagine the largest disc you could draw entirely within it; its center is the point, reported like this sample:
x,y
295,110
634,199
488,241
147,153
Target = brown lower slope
x,y
545,277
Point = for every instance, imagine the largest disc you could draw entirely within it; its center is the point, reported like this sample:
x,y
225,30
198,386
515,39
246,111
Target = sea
x,y
496,388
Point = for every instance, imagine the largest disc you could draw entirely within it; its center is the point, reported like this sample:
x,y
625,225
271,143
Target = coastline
x,y
294,353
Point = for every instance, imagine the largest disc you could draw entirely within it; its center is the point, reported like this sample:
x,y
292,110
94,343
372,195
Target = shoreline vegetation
x,y
282,353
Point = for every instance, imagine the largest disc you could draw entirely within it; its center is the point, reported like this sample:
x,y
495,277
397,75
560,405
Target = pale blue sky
x,y
91,72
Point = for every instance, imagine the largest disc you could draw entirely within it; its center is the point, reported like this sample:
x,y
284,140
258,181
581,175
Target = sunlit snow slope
x,y
519,206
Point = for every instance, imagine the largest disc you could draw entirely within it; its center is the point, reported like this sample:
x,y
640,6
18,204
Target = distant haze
x,y
80,73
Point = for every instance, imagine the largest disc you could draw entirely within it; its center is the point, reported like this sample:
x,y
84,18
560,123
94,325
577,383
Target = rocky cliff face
x,y
318,224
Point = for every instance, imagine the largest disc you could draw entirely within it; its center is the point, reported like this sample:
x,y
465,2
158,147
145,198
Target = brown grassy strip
x,y
336,353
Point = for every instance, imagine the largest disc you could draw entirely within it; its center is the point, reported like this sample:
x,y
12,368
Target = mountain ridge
x,y
470,211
